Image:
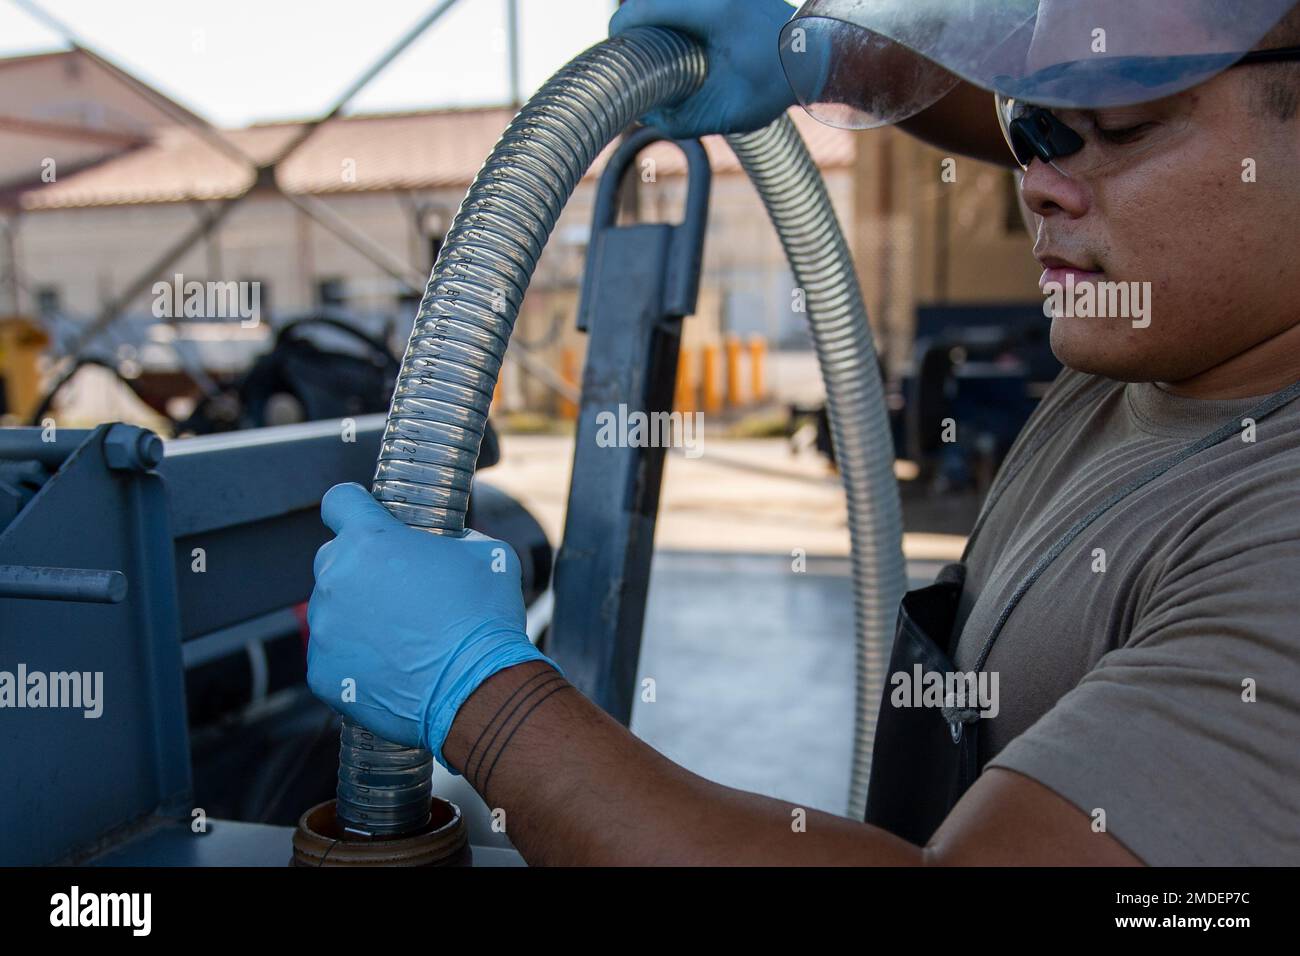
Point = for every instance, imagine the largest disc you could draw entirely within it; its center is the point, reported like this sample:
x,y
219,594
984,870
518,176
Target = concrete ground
x,y
749,495
752,662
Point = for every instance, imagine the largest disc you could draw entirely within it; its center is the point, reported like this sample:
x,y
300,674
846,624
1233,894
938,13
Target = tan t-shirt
x,y
1163,690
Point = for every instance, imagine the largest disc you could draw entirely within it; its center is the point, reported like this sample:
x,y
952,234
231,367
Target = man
x,y
1132,580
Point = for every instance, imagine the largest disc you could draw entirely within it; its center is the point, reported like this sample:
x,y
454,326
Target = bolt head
x,y
129,448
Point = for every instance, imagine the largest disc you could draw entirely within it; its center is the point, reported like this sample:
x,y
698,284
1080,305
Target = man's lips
x,y
1060,270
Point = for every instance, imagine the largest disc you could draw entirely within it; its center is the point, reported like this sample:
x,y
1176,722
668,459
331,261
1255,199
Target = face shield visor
x,y
858,64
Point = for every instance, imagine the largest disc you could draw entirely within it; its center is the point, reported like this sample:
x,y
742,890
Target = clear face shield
x,y
1081,84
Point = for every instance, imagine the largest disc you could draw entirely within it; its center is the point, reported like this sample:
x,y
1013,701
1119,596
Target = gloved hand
x,y
405,625
746,88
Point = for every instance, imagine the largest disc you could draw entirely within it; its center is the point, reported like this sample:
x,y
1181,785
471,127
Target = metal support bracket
x,y
641,280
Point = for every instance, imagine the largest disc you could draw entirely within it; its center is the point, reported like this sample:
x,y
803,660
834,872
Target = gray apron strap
x,y
1265,408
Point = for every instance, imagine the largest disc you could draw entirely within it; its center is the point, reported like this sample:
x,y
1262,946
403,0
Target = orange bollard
x,y
22,343
711,373
684,399
734,397
568,372
497,393
757,367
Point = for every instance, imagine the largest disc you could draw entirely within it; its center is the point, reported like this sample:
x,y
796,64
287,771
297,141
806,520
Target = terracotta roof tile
x,y
399,151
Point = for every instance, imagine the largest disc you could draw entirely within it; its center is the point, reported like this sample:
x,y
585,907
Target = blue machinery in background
x,y
132,557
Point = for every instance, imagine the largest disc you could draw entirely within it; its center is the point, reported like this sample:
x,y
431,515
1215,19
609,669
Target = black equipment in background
x,y
299,380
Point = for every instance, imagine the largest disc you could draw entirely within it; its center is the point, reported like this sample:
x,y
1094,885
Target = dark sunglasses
x,y
1038,133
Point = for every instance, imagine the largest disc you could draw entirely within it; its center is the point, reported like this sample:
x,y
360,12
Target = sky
x,y
242,61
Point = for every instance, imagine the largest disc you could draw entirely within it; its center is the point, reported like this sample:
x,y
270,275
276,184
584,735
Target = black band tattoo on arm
x,y
505,743
544,683
545,675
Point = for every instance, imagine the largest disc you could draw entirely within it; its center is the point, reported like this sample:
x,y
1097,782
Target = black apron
x,y
925,758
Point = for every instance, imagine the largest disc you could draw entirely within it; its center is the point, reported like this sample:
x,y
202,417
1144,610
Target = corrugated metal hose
x,y
462,329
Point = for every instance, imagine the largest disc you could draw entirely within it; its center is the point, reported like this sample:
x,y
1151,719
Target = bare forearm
x,y
578,789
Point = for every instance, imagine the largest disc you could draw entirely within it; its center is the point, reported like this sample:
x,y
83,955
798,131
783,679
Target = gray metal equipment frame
x,y
98,574
641,280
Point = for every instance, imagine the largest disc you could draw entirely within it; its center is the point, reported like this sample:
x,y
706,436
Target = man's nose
x,y
1048,191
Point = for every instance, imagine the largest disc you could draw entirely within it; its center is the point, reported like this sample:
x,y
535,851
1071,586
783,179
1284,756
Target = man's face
x,y
1200,198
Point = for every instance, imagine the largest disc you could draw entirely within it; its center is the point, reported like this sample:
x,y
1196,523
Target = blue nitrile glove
x,y
405,624
746,88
